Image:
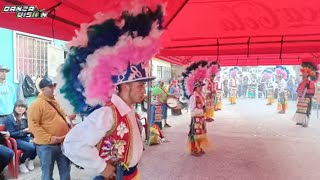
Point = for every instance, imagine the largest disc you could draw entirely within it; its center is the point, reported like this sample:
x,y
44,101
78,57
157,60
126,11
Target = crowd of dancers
x,y
203,86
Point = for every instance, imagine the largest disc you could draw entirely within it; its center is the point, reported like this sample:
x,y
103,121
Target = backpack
x,y
154,137
28,87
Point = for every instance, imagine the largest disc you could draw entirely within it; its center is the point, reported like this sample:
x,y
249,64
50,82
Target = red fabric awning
x,y
68,15
238,32
234,32
243,60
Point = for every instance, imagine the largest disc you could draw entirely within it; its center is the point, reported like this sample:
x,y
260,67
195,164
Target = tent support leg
x,y
218,49
280,57
248,49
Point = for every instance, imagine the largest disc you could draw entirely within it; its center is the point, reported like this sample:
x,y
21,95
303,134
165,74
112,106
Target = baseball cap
x,y
2,67
46,82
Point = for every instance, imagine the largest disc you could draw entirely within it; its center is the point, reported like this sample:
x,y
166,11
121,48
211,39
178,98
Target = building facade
x,y
29,54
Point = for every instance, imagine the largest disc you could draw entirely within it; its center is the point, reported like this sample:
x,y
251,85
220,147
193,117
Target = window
x,y
31,55
163,73
159,72
166,74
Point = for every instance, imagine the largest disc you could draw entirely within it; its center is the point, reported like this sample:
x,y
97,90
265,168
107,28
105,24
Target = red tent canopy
x,y
69,14
244,32
233,32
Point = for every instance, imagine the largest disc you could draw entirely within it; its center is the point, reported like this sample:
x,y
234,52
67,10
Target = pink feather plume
x,y
100,86
267,76
233,73
213,70
112,9
282,73
197,75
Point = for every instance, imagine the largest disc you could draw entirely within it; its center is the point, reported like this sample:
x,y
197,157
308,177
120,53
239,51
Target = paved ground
x,y
250,141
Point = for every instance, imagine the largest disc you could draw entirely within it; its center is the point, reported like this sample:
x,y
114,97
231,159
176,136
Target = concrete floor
x,y
250,141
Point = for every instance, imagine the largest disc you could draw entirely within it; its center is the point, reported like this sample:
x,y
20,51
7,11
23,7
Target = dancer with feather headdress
x,y
282,77
233,85
267,76
192,85
306,91
219,92
282,74
210,90
103,76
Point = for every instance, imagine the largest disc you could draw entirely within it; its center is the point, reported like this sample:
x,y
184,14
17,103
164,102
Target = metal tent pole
x,y
149,104
317,110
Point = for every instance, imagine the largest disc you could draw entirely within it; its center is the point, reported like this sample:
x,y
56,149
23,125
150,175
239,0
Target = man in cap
x,y
47,122
110,136
7,94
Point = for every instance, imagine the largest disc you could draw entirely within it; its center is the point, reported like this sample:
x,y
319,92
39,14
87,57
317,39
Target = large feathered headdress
x,y
282,71
193,76
113,49
213,68
267,74
310,69
233,72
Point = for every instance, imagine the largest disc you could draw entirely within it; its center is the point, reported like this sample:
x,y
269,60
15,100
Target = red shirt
x,y
310,91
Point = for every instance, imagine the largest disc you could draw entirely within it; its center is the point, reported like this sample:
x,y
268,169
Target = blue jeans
x,y
120,172
152,114
48,154
29,150
6,154
164,109
98,178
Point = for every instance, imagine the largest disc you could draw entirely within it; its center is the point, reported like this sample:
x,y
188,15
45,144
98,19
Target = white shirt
x,y
79,144
232,83
219,85
282,85
206,89
193,106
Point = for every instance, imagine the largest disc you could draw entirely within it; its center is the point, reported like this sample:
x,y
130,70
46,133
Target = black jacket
x,y
2,140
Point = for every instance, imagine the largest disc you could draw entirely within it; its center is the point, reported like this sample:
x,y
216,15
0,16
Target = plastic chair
x,y
143,123
13,166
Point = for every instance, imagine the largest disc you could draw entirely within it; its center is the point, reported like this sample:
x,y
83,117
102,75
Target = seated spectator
x,y
6,154
17,125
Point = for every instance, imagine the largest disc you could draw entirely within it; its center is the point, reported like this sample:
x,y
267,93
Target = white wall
x,y
55,59
157,62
